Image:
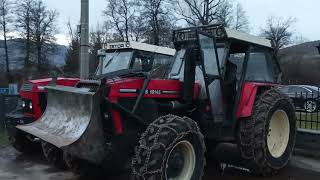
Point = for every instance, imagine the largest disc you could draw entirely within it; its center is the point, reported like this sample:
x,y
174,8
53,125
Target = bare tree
x,y
5,19
299,39
23,23
198,12
98,38
120,14
224,14
159,19
137,28
43,29
279,31
241,22
72,55
205,12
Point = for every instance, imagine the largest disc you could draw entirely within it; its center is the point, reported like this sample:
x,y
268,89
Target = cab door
x,y
213,77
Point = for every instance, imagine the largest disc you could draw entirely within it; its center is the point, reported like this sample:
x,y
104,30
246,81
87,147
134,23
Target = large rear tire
x,y
53,155
171,148
267,139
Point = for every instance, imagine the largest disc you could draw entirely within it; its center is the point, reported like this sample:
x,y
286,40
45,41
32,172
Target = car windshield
x,y
313,88
115,61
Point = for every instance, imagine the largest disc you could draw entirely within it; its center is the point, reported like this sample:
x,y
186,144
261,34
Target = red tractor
x,y
116,59
220,94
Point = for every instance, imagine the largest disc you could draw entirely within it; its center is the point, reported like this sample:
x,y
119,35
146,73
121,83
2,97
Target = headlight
x,y
23,104
30,105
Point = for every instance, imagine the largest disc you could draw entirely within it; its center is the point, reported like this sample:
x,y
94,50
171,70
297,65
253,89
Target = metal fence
x,y
7,104
308,109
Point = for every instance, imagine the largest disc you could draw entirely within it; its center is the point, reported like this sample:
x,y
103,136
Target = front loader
x,y
219,94
116,59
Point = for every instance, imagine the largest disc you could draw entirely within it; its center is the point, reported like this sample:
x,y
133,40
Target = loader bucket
x,y
71,122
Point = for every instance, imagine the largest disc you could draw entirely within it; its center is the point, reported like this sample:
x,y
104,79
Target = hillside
x,y
17,54
301,63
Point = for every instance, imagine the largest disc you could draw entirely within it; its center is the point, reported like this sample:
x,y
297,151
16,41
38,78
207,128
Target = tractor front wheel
x,y
80,166
266,140
171,148
53,155
22,144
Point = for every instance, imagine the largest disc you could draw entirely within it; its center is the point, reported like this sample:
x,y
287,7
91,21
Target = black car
x,y
306,98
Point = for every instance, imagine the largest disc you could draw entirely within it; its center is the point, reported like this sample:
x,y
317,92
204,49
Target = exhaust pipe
x,y
189,75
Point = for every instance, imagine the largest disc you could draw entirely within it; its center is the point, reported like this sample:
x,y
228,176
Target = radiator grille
x,y
27,87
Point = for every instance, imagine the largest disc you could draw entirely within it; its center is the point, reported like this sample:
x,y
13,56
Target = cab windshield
x,y
114,61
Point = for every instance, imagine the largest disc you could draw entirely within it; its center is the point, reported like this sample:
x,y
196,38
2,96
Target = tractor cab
x,y
223,62
133,56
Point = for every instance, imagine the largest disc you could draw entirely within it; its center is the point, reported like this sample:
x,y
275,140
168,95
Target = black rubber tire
x,y
253,132
53,155
80,167
157,142
22,144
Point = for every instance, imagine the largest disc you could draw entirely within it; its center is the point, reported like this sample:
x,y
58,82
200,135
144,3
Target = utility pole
x,y
84,40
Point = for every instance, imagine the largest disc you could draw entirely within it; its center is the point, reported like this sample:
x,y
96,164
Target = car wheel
x,y
310,106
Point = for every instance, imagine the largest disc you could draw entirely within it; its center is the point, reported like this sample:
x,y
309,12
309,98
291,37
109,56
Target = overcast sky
x,y
306,12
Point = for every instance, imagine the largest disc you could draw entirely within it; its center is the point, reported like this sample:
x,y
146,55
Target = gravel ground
x,y
14,166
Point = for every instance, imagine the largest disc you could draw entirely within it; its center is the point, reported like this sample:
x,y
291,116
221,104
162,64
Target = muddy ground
x,y
14,166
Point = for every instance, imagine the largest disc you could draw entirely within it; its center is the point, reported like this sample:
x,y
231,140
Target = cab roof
x,y
245,37
140,46
220,33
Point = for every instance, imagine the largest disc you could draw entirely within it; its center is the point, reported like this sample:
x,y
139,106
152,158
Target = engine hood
x,y
37,84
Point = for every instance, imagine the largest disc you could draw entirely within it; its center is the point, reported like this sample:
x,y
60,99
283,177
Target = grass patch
x,y
308,120
3,138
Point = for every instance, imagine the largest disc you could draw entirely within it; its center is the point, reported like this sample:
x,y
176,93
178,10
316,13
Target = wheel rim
x,y
181,162
310,106
279,131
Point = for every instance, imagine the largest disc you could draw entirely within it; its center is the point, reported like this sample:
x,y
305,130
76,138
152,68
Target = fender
x,y
248,97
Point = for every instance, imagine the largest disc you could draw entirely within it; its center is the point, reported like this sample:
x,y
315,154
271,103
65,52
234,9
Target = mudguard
x,y
72,122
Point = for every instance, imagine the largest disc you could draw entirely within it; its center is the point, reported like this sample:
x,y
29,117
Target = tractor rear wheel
x,y
53,155
171,148
266,140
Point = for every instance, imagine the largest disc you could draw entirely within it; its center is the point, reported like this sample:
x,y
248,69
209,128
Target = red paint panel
x,y
136,84
248,97
60,81
247,100
67,82
34,94
117,122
